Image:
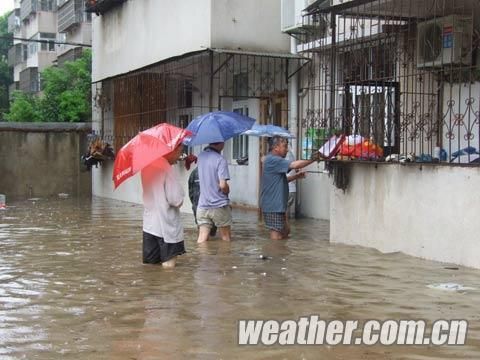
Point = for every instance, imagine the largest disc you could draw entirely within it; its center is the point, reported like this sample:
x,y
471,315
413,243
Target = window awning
x,y
260,54
399,9
301,60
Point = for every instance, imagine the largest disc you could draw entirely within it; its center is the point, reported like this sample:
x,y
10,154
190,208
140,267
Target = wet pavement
x,y
72,286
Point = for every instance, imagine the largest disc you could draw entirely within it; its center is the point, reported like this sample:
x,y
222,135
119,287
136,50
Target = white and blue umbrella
x,y
268,131
217,126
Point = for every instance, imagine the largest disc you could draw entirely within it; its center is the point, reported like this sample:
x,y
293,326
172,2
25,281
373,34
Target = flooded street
x,y
72,286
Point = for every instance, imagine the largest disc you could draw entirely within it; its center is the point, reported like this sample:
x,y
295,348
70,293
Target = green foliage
x,y
65,93
24,108
5,73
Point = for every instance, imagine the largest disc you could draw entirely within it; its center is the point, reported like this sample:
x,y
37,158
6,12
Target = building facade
x,y
47,22
184,59
402,75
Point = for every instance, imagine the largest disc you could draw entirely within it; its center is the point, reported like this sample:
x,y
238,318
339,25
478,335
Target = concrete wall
x,y
47,22
429,212
45,59
41,160
81,34
42,21
249,25
141,33
313,193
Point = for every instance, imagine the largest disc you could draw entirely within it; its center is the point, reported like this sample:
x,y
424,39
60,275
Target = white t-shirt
x,y
162,200
292,185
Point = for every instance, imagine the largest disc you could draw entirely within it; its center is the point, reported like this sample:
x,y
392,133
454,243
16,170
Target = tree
x,y
66,94
24,108
5,73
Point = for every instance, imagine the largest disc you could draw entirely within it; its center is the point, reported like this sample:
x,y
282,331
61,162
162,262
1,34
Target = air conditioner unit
x,y
444,41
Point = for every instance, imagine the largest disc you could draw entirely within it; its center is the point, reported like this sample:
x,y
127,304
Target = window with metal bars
x,y
240,143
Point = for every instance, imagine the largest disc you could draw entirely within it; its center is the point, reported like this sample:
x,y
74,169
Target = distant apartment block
x,y
51,21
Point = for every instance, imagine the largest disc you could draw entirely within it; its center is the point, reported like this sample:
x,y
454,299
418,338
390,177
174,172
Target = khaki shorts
x,y
220,217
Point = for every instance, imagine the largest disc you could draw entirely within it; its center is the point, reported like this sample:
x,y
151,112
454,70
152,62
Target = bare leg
x,y
170,264
275,235
287,225
225,233
203,233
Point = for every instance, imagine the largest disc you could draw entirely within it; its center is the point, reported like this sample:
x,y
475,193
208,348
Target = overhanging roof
x,y
260,54
406,9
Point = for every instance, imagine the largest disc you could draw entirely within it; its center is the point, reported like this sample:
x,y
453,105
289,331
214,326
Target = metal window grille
x,y
402,74
192,84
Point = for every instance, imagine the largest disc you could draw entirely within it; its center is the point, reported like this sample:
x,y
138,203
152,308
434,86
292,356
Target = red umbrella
x,y
145,148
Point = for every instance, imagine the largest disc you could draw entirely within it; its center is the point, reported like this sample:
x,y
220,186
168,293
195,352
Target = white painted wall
x,y
17,70
81,34
249,25
429,212
137,34
42,21
47,22
313,193
46,59
41,59
140,33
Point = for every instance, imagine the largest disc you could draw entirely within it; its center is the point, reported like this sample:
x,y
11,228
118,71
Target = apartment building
x,y
51,21
170,61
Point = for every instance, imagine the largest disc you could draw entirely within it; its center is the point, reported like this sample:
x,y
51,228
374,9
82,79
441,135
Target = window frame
x,y
240,143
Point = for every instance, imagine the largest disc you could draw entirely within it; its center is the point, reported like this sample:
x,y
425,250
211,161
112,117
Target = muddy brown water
x,y
72,286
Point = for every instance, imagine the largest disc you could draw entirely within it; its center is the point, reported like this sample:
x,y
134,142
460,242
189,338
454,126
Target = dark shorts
x,y
274,221
155,250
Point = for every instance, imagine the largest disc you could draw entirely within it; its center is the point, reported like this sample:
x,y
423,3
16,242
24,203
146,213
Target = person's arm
x,y
298,175
223,184
300,164
223,176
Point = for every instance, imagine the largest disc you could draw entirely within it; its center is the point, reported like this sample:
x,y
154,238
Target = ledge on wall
x,y
45,127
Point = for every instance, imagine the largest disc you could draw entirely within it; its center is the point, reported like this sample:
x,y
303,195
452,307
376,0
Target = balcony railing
x,y
70,13
28,7
70,55
14,21
15,55
29,80
101,6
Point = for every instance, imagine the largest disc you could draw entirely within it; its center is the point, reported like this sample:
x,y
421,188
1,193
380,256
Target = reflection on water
x,y
72,286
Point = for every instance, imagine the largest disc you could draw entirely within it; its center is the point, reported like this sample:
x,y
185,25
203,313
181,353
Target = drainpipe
x,y
210,84
293,116
293,100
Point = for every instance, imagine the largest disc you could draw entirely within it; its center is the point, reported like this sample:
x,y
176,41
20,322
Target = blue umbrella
x,y
268,131
217,126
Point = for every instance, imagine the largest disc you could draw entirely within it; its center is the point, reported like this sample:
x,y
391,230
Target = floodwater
x,y
72,286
